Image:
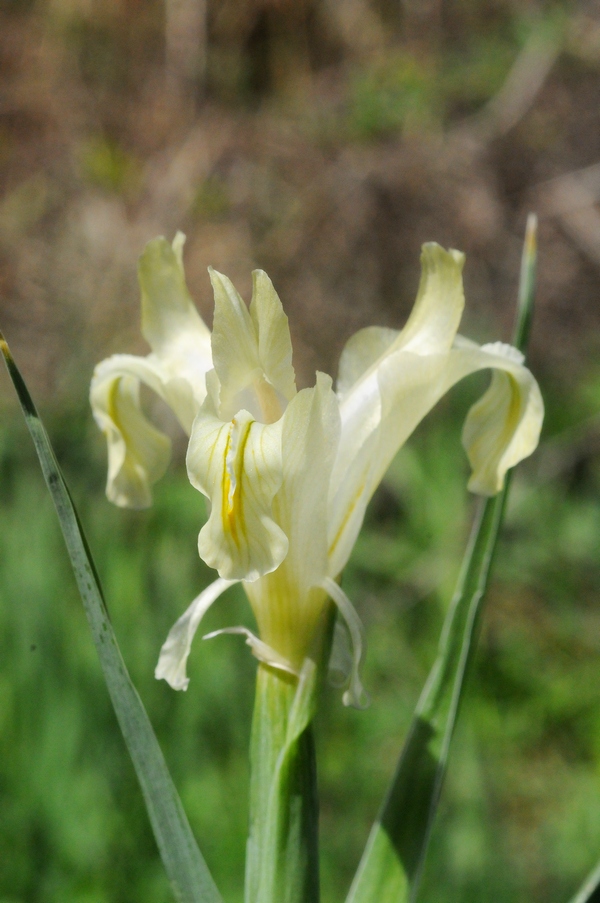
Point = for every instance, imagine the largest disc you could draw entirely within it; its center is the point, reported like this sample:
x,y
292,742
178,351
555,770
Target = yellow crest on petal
x,y
237,465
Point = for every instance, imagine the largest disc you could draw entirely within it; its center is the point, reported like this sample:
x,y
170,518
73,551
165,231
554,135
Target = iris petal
x,y
170,322
138,453
237,465
261,650
355,695
176,648
273,331
392,393
252,350
503,427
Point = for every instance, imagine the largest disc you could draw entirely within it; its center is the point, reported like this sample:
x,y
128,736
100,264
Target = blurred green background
x,y
323,141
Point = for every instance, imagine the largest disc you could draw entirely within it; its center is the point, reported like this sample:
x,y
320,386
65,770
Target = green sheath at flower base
x,y
282,854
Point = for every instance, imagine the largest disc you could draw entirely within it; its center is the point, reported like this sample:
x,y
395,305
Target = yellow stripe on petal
x,y
232,507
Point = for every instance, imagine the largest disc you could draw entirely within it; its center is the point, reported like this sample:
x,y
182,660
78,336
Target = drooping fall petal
x,y
138,453
392,393
237,465
503,427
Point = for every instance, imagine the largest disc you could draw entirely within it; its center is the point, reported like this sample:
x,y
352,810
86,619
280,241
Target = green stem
x,y
282,863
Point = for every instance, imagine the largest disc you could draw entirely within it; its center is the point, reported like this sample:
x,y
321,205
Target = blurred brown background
x,y
323,140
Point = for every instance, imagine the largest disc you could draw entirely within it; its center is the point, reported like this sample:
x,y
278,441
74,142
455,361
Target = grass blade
x,y
391,865
185,866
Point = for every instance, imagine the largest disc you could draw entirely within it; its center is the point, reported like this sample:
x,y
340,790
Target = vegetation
x,y
518,819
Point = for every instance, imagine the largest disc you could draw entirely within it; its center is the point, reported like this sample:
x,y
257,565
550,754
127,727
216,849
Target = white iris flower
x,y
289,474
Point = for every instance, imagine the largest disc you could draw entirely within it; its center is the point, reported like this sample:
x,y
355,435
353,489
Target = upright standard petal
x,y
273,330
361,353
170,322
234,344
430,328
138,453
252,350
436,315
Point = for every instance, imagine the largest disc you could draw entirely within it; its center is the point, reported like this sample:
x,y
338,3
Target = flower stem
x,y
282,863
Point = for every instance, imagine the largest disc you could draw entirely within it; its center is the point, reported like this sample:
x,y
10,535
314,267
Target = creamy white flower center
x,y
260,399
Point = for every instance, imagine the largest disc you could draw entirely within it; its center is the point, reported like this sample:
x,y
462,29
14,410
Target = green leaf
x,y
185,866
590,891
391,866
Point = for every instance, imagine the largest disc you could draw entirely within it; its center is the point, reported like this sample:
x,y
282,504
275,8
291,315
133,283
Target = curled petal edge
x,y
356,695
503,427
176,648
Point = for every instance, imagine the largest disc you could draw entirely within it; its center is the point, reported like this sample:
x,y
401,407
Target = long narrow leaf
x,y
185,866
391,866
590,890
